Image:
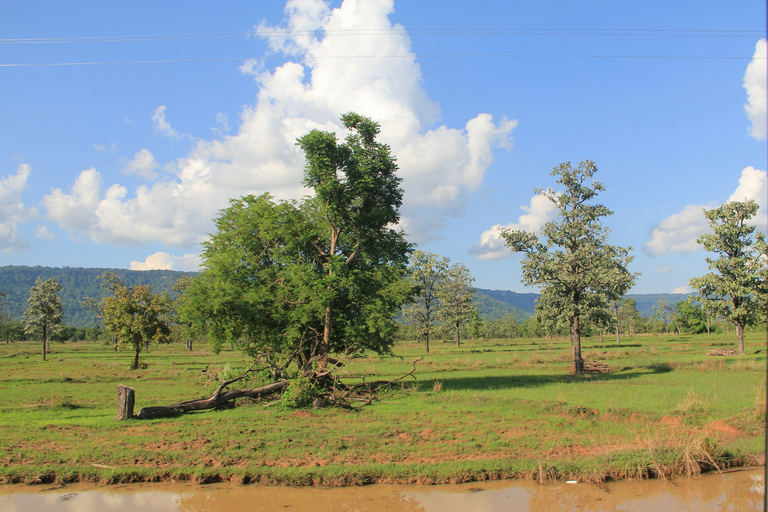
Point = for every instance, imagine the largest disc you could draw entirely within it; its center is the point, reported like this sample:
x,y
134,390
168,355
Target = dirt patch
x,y
725,428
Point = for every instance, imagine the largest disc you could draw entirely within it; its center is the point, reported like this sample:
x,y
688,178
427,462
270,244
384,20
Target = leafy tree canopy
x,y
44,312
303,280
737,289
135,315
578,271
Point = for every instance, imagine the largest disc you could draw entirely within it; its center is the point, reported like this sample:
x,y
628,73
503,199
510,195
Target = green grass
x,y
488,409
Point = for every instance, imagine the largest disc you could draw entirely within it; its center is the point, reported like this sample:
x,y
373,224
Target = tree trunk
x,y
458,334
325,345
576,345
618,338
45,341
136,358
740,336
125,400
216,400
427,338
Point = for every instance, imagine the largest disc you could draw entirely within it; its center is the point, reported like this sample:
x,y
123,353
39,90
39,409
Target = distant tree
x,y
629,314
660,313
13,330
456,294
738,288
44,311
505,327
135,315
579,272
426,272
691,316
4,318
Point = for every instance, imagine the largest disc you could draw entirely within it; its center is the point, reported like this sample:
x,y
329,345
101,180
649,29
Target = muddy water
x,y
738,491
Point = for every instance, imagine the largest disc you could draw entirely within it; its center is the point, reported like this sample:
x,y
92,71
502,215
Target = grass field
x,y
490,409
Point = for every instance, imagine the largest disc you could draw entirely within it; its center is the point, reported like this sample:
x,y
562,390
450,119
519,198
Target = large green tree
x,y
738,286
135,315
426,271
456,295
44,312
578,271
302,281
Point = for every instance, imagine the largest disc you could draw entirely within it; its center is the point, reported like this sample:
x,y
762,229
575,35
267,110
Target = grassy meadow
x,y
490,409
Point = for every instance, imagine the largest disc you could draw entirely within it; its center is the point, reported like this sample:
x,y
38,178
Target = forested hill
x,y
526,302
77,283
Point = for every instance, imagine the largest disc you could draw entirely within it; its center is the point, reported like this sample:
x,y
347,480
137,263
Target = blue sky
x,y
126,126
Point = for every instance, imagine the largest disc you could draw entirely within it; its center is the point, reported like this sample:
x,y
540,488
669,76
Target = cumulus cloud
x,y
44,233
152,214
165,261
75,211
12,211
663,270
757,93
492,246
143,164
378,77
682,289
162,126
678,232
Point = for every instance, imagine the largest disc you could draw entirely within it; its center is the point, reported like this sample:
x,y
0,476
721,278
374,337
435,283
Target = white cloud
x,y
757,93
75,211
44,233
12,211
492,246
753,184
165,261
678,232
143,164
162,126
663,270
440,166
682,289
223,121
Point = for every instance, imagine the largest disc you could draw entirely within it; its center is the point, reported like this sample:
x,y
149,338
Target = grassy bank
x,y
490,409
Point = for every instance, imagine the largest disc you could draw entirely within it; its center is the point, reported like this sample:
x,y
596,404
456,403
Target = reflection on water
x,y
732,491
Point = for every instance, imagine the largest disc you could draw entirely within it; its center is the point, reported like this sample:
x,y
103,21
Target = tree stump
x,y
125,400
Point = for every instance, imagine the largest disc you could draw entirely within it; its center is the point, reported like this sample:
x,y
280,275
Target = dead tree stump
x,y
125,400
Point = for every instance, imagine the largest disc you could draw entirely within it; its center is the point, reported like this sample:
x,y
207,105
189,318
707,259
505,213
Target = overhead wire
x,y
268,33
283,33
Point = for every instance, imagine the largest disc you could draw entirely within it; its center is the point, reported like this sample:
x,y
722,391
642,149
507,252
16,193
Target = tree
x,y
135,315
628,313
44,311
579,272
426,272
660,310
300,281
738,287
456,296
691,316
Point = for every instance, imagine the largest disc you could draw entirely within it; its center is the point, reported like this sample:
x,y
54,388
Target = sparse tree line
x,y
302,286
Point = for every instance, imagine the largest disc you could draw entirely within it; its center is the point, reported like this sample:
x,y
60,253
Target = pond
x,y
737,491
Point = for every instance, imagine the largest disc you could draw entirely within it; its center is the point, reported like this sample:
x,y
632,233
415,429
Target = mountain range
x,y
78,283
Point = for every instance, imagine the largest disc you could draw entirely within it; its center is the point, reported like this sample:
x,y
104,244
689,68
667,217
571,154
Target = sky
x,y
125,127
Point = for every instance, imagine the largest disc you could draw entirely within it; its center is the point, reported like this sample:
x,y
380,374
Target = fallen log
x,y
722,352
218,399
591,367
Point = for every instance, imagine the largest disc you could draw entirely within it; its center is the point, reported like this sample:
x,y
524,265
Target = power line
x,y
277,32
411,56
